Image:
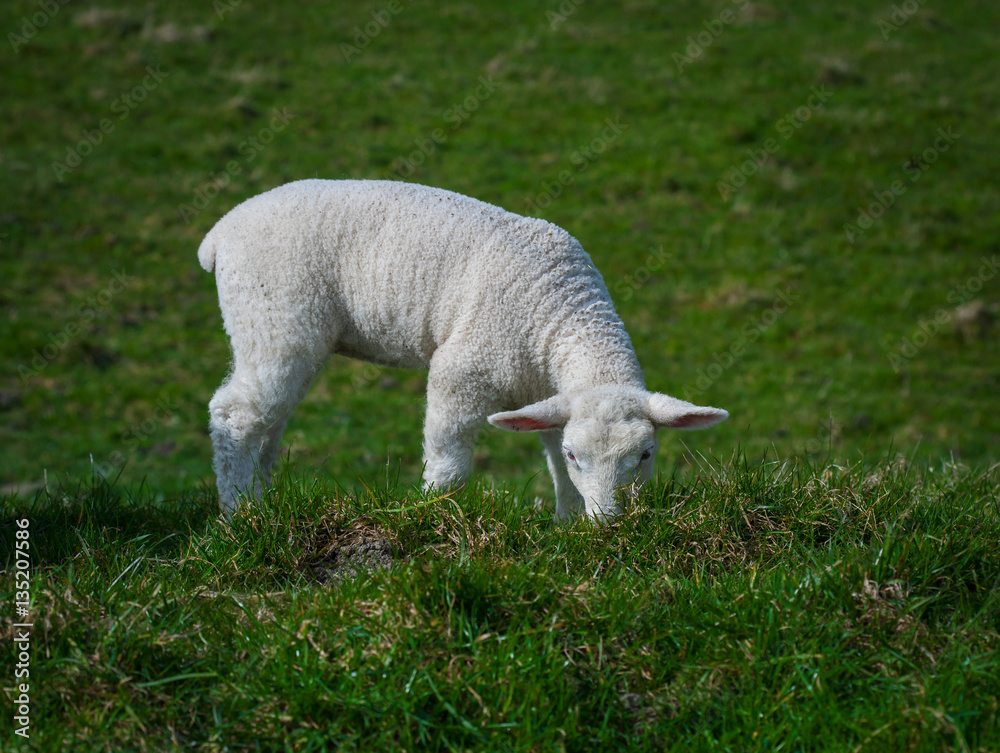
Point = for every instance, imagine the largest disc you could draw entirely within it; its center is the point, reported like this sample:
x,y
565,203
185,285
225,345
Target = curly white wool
x,y
505,311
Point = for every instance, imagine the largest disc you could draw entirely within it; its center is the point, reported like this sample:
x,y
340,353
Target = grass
x,y
119,373
796,211
758,606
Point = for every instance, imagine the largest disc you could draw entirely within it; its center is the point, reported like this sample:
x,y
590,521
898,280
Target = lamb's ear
x,y
671,413
548,414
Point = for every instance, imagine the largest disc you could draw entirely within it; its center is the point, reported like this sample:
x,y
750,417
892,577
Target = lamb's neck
x,y
594,352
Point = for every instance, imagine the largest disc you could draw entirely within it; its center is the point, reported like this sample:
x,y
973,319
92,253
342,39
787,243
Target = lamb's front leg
x,y
448,449
456,411
447,462
569,502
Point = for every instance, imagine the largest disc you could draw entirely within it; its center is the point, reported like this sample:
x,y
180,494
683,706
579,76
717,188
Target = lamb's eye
x,y
569,454
646,455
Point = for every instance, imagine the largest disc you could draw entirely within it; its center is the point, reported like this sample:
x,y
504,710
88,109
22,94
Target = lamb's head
x,y
607,438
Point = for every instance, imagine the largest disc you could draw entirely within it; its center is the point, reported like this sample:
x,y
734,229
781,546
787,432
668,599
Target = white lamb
x,y
505,311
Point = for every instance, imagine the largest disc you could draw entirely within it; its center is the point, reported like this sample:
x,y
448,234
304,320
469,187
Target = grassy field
x,y
796,210
757,608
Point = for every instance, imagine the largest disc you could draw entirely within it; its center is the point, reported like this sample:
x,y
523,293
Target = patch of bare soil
x,y
345,555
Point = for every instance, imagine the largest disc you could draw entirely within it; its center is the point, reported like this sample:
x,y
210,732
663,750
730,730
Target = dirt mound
x,y
349,556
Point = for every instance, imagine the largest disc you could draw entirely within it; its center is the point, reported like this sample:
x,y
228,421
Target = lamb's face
x,y
608,460
608,440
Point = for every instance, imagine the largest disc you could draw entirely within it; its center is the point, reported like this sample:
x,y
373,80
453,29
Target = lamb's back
x,y
397,266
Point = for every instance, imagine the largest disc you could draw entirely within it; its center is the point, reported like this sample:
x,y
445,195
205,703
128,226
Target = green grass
x,y
786,604
753,607
129,379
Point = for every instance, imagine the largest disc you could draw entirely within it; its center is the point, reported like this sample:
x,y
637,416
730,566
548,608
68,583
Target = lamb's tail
x,y
206,253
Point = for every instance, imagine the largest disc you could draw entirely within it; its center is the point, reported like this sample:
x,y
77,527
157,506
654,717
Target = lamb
x,y
508,314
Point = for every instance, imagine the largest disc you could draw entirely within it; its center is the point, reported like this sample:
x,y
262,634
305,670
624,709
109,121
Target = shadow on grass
x,y
67,520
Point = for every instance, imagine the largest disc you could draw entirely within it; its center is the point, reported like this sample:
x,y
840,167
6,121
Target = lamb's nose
x,y
604,512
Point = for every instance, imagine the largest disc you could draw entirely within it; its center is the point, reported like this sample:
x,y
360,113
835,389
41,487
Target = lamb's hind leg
x,y
248,415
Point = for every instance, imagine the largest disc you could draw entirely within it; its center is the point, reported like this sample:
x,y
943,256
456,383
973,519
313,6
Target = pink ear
x,y
671,413
521,423
543,416
693,421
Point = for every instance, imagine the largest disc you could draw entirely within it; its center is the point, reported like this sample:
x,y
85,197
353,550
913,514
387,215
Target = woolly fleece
x,y
504,311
